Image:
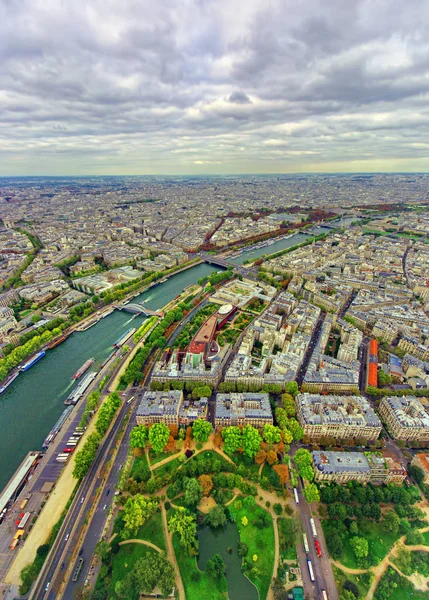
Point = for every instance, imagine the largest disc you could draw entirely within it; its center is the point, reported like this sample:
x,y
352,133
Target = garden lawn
x,y
139,464
379,541
168,467
363,582
260,542
153,531
248,463
425,540
393,586
123,563
198,585
287,538
212,455
156,458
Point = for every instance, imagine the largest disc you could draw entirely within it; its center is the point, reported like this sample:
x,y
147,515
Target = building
x,y
406,418
341,417
160,407
422,461
342,467
243,409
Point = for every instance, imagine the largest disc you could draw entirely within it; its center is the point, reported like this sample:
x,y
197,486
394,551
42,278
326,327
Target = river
x,y
34,401
293,240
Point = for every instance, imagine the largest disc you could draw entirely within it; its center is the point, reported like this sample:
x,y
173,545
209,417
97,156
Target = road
x,y
68,536
308,353
324,578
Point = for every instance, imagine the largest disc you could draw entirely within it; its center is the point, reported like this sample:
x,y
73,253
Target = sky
x,y
213,86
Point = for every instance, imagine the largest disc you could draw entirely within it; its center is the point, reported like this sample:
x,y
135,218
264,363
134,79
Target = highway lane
x,y
98,521
67,536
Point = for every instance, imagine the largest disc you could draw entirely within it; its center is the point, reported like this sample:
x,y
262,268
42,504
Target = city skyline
x,y
130,89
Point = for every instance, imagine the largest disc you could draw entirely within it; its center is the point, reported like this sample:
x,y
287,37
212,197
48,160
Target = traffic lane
x,y
96,527
83,492
325,563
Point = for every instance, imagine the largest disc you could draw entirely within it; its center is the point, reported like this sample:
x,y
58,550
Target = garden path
x,y
144,542
171,556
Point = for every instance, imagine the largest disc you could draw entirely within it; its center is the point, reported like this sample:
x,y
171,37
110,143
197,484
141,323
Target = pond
x,y
217,541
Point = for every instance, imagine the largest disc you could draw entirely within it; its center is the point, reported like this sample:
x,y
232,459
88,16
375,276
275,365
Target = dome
x,y
225,309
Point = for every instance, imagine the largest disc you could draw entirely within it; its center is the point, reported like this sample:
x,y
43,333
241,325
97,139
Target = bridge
x,y
216,260
138,309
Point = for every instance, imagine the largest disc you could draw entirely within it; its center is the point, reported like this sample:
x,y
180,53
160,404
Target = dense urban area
x,y
215,387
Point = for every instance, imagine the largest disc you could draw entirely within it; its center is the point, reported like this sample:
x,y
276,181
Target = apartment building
x,y
406,418
243,409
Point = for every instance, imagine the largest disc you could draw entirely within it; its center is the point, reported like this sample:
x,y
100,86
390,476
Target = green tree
x,y
184,524
158,437
217,516
271,434
232,439
102,549
295,429
193,492
359,546
216,567
289,405
304,464
137,510
138,437
201,429
153,570
251,441
391,521
354,529
417,474
291,387
311,493
85,457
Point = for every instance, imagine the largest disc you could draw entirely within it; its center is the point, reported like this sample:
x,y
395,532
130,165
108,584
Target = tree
x,y
251,441
335,545
85,457
282,473
311,493
138,437
217,516
359,546
271,434
232,439
291,387
304,464
207,484
272,457
260,457
184,524
158,437
102,549
137,510
354,529
193,492
417,474
216,567
391,521
295,429
289,405
153,570
201,430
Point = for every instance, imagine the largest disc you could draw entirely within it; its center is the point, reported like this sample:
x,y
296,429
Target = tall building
x,y
243,409
406,418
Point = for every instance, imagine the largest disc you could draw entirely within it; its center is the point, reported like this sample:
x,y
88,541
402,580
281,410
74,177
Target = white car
x,y
104,507
82,499
67,537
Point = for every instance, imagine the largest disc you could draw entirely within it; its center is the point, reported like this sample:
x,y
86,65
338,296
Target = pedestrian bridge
x,y
138,309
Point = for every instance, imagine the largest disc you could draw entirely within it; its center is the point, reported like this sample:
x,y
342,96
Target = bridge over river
x,y
138,309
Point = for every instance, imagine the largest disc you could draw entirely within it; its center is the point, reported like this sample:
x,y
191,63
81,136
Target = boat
x,y
81,388
88,325
83,368
57,342
27,365
107,313
8,381
123,338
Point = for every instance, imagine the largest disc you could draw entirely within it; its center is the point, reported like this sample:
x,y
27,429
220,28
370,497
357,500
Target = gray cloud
x,y
137,86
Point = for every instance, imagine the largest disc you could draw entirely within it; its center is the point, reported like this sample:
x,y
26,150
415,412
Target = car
x,y
67,537
107,492
80,552
62,566
47,586
104,507
82,499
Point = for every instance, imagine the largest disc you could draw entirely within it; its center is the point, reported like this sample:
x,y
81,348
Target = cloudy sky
x,y
213,86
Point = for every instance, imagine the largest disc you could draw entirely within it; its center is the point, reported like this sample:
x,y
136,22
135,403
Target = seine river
x,y
34,401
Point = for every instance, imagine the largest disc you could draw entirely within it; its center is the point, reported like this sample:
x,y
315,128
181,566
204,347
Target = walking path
x,y
209,445
171,556
144,542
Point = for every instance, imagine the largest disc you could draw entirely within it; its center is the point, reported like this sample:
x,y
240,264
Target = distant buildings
x,y
406,418
343,467
243,409
341,417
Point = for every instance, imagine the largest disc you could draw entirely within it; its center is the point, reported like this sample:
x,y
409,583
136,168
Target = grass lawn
x,y
213,456
139,464
393,586
168,467
259,542
379,541
198,585
287,538
156,458
248,463
425,540
153,531
123,563
363,582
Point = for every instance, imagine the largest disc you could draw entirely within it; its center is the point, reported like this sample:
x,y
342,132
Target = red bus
x,y
318,548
